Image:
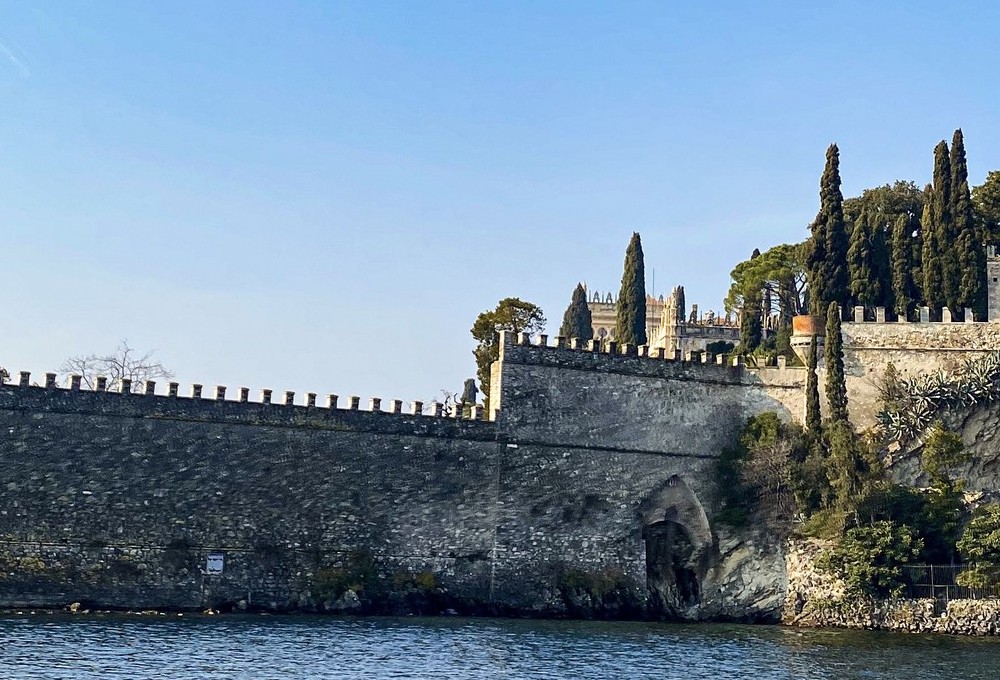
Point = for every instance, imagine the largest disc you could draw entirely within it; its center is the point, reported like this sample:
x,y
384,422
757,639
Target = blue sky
x,y
323,196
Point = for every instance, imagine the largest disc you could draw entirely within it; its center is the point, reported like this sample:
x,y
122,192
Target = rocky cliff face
x,y
748,582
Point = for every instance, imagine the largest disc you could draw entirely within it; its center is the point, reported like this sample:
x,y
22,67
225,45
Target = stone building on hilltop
x,y
667,323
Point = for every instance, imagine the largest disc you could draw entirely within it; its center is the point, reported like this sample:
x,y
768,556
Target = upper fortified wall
x,y
912,348
620,397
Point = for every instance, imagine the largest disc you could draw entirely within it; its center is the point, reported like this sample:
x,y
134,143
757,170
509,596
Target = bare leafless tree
x,y
125,363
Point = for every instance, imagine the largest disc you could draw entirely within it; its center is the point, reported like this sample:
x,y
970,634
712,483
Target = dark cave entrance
x,y
671,567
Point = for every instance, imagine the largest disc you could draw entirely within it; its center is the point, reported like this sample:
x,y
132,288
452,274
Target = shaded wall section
x,y
130,500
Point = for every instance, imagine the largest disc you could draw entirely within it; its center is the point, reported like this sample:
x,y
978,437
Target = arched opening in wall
x,y
671,573
679,547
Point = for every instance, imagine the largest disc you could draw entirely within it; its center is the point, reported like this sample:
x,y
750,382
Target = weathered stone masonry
x,y
116,499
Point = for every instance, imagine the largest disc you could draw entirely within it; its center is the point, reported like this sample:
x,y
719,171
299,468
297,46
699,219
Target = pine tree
x,y
826,263
836,387
902,267
865,286
577,321
630,322
813,418
968,253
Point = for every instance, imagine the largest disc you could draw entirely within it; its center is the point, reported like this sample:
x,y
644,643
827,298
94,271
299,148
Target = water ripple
x,y
54,646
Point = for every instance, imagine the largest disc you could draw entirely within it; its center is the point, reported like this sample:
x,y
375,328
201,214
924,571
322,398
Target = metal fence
x,y
942,582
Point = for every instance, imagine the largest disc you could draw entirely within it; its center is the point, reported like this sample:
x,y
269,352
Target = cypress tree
x,y
902,267
826,262
577,321
836,387
865,286
943,228
751,322
813,418
968,253
930,256
630,320
881,250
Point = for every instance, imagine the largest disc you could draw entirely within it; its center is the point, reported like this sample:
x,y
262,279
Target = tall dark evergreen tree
x,y
903,292
968,254
944,228
836,386
630,321
577,321
751,318
931,266
813,418
826,263
866,289
880,208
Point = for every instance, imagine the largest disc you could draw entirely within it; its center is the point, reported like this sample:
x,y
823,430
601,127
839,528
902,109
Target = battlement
x,y
201,405
861,315
612,357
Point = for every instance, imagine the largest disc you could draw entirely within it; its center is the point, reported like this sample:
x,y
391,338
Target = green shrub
x,y
757,475
869,559
980,546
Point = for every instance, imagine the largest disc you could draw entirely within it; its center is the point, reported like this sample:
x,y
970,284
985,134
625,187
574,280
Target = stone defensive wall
x,y
587,491
913,348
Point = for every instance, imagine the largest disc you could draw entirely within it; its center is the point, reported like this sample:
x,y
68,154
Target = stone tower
x,y
992,284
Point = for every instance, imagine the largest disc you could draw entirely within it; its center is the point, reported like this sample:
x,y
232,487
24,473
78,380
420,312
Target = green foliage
x,y
869,559
630,320
986,207
577,321
980,544
904,291
941,230
853,466
930,257
879,210
942,450
751,321
719,347
357,573
968,251
510,314
935,515
757,475
813,418
863,265
810,478
826,262
825,523
920,399
779,272
836,385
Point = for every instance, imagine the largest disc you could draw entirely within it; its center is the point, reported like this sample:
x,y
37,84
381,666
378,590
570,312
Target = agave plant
x,y
923,397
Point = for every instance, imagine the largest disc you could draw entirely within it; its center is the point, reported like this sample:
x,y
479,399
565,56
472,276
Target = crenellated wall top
x,y
612,357
219,404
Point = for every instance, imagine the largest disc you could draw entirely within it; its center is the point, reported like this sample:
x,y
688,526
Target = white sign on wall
x,y
214,563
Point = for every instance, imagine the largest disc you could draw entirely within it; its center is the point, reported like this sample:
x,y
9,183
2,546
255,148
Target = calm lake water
x,y
59,646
